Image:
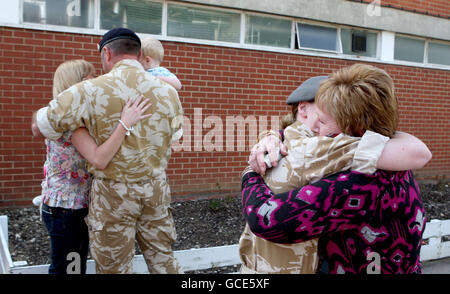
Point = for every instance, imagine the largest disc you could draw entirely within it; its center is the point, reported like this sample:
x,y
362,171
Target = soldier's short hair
x,y
124,46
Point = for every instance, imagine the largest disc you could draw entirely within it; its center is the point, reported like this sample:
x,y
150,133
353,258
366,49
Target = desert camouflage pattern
x,y
130,197
119,212
309,159
97,105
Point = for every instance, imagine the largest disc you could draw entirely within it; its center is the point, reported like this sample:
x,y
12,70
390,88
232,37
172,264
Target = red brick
x,y
221,81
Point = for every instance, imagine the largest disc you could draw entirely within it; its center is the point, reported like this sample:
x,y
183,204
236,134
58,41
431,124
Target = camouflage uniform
x,y
130,197
309,159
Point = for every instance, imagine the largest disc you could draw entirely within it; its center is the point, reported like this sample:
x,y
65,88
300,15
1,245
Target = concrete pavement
x,y
439,266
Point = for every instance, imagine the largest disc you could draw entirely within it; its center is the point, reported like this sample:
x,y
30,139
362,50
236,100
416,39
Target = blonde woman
x,y
66,184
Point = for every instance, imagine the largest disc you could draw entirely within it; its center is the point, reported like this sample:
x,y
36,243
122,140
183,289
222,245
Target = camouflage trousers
x,y
119,214
259,256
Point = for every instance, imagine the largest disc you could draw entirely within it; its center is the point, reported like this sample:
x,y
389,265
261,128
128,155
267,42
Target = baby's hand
x,y
133,112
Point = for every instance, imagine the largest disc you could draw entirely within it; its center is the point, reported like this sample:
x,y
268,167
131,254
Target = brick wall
x,y
439,8
217,83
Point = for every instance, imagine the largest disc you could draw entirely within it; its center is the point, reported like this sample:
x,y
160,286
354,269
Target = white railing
x,y
437,247
205,258
190,260
5,257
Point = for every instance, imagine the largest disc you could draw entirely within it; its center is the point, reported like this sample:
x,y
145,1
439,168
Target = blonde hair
x,y
153,48
360,97
70,73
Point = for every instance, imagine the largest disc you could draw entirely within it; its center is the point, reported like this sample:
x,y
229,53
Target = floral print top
x,y
66,180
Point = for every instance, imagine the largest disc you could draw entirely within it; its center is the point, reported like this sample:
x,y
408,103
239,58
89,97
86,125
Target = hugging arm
x,y
308,212
100,156
404,152
268,144
34,126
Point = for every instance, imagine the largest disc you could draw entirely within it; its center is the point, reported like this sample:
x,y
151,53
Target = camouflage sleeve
x,y
368,152
68,111
325,155
177,119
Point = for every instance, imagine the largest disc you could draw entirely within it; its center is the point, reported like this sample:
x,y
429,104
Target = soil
x,y
199,223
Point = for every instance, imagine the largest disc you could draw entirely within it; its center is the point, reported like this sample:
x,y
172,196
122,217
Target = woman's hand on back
x,y
134,111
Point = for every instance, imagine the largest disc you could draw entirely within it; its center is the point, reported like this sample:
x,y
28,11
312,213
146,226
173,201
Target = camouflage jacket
x,y
97,105
309,159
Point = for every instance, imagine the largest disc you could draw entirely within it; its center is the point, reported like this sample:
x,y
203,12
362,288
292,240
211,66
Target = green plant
x,y
214,204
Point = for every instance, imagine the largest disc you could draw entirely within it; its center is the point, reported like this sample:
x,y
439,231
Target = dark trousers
x,y
69,239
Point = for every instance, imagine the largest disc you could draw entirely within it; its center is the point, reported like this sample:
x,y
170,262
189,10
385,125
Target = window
x,y
73,13
140,16
201,23
409,49
357,42
439,53
317,37
268,31
176,19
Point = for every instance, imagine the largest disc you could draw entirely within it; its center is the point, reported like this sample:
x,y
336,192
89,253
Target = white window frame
x,y
203,7
385,47
378,49
319,24
425,57
427,50
68,29
425,53
163,24
292,20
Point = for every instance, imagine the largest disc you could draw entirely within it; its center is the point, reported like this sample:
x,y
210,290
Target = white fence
x,y
190,260
205,258
436,231
5,257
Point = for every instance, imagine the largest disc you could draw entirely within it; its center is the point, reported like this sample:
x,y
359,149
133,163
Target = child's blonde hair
x,y
153,48
70,73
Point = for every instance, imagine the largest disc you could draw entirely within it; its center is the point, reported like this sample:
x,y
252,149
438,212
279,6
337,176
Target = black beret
x,y
118,33
306,91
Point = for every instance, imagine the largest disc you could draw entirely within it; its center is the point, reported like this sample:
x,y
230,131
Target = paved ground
x,y
441,266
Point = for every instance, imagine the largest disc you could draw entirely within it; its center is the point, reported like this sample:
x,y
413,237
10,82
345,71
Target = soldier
x,y
130,198
310,157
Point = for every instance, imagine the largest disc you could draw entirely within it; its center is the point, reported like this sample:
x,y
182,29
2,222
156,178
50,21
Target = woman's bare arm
x,y
404,152
100,156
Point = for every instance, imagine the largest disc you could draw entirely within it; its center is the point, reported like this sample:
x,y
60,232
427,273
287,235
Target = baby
x,y
152,54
